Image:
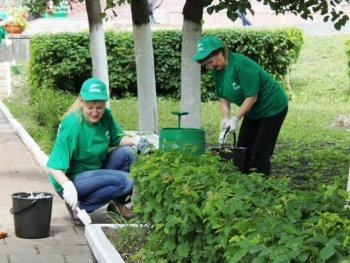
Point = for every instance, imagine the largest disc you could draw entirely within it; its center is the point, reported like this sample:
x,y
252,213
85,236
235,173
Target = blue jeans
x,y
97,188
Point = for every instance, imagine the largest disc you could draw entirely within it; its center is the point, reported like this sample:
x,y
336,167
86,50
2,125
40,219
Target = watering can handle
x,y
179,114
23,208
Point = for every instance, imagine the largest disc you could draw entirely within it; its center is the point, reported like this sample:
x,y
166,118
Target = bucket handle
x,y
22,209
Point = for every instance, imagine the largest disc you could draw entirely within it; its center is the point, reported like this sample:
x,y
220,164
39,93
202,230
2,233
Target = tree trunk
x,y
97,42
146,85
190,70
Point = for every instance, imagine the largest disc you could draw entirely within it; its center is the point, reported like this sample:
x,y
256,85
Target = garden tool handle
x,y
224,138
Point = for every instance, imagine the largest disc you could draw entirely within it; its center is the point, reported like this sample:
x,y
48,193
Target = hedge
x,y
62,61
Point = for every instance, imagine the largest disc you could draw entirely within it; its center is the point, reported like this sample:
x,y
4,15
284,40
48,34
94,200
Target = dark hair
x,y
214,53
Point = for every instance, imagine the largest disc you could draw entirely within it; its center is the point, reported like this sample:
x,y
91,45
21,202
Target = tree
x,y
97,42
146,84
190,70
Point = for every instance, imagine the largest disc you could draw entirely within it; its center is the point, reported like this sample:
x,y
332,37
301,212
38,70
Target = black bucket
x,y
32,214
231,153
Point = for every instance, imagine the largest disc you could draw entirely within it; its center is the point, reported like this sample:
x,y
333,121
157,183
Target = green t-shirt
x,y
244,78
80,146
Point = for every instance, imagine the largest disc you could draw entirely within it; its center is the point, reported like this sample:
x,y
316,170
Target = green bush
x,y
62,61
59,61
47,106
205,211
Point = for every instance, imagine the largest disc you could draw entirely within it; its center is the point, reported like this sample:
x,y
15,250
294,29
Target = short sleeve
x,y
63,148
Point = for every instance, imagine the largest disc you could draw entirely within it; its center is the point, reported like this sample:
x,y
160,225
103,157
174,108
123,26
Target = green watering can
x,y
190,140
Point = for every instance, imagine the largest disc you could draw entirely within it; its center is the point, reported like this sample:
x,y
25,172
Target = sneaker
x,y
112,209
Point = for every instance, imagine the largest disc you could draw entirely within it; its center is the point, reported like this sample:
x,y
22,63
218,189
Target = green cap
x,y
205,46
3,15
94,89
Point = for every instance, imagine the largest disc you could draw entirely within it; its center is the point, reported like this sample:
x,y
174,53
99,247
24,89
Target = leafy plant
x,y
19,15
206,211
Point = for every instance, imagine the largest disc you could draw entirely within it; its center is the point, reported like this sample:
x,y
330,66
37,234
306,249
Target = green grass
x,y
307,147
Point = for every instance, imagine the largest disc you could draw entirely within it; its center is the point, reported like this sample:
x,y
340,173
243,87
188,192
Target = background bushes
x,y
62,61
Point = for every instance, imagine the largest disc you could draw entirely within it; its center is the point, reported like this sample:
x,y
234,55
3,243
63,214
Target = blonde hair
x,y
77,107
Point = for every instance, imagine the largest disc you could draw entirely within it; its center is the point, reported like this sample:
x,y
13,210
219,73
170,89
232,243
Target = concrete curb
x,y
103,250
39,155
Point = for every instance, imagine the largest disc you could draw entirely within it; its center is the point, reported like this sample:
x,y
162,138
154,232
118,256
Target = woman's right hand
x,y
224,121
70,194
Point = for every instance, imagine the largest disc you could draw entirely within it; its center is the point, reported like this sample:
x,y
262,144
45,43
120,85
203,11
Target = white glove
x,y
222,140
223,123
9,19
232,123
142,144
70,194
137,138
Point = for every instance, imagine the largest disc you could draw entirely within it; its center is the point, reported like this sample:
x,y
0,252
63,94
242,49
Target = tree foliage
x,y
305,9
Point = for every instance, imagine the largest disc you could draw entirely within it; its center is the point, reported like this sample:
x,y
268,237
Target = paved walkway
x,y
21,170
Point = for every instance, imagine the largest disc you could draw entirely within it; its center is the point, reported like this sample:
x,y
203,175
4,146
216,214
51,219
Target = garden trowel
x,y
83,216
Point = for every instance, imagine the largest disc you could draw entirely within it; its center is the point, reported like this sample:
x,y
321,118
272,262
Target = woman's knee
x,y
120,158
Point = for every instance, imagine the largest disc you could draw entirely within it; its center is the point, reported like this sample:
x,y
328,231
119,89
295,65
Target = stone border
x,y
103,250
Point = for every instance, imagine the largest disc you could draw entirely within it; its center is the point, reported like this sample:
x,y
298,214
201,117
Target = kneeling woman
x,y
83,172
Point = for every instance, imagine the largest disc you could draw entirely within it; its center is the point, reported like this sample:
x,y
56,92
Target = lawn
x,y
309,146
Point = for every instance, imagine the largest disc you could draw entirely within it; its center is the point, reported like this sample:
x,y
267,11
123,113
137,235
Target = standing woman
x,y
83,172
263,104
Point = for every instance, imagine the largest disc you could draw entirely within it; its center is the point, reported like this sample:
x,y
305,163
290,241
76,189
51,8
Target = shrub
x,y
205,211
62,61
47,106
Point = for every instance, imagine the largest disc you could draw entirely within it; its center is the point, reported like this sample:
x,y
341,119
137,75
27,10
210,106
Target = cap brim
x,y
90,98
201,55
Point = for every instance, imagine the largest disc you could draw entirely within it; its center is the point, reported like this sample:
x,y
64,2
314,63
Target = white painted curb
x,y
103,250
39,155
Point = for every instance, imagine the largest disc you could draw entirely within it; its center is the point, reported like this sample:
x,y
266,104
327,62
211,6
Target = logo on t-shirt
x,y
93,88
108,136
235,86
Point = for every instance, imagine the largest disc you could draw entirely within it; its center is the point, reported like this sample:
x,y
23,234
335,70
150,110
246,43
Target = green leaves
x,y
326,252
205,211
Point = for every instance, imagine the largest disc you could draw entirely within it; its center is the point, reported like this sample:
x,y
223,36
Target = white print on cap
x,y
199,47
92,88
